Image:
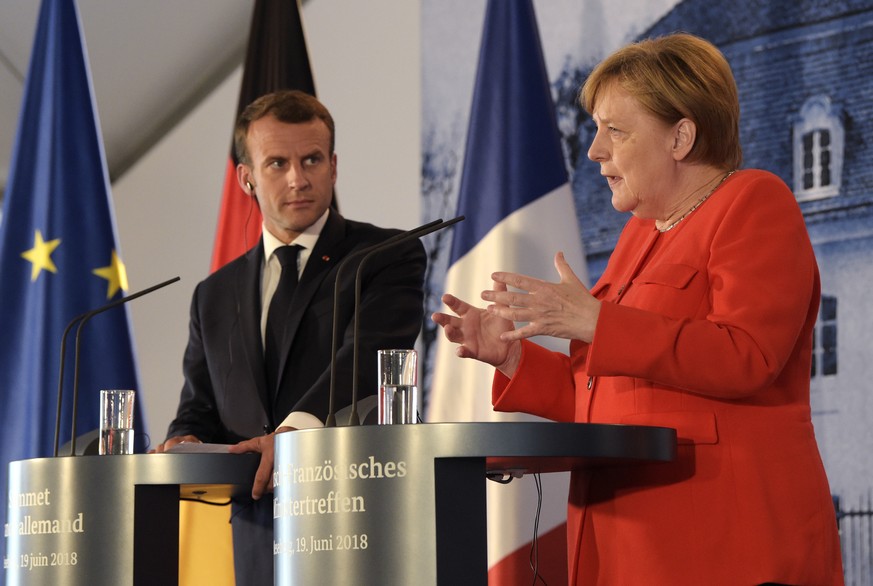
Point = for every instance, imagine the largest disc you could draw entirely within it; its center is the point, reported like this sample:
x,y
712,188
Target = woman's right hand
x,y
478,333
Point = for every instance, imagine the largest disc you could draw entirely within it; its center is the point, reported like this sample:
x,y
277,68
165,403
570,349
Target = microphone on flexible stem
x,y
82,320
353,417
414,233
366,252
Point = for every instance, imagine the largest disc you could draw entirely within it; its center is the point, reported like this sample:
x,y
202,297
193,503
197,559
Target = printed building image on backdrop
x,y
805,74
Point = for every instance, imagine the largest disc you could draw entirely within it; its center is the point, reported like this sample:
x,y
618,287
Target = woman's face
x,y
637,154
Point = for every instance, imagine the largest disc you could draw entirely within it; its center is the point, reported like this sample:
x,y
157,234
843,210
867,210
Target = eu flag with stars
x,y
59,254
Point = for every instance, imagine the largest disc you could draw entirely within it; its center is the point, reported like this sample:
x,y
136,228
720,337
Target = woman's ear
x,y
684,137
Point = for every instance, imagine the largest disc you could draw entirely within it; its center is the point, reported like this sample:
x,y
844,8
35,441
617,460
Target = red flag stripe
x,y
515,569
239,221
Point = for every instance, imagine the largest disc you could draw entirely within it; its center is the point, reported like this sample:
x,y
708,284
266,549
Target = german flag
x,y
276,59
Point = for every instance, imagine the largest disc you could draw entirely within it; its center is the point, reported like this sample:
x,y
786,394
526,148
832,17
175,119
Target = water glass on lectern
x,y
116,422
398,386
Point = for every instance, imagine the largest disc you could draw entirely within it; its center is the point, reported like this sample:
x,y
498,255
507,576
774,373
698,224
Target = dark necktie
x,y
278,313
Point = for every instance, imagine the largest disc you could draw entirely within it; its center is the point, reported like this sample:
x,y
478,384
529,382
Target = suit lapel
x,y
248,296
330,248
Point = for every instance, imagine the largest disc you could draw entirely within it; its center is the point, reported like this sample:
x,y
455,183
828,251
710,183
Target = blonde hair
x,y
674,77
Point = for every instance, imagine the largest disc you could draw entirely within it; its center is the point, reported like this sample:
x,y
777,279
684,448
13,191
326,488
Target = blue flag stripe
x,y
513,152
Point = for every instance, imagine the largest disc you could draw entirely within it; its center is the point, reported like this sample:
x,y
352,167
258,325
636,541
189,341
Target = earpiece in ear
x,y
251,187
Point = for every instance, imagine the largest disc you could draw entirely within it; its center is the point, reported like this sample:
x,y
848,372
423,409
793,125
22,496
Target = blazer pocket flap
x,y
671,275
692,427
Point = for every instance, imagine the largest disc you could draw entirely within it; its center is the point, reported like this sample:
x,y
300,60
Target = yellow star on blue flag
x,y
115,273
41,255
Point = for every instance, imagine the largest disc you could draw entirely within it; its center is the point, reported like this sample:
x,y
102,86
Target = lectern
x,y
405,504
109,520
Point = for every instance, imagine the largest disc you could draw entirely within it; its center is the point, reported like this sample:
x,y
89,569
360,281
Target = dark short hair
x,y
673,77
289,106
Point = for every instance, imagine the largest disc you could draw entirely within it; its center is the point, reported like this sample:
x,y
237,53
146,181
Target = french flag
x,y
519,212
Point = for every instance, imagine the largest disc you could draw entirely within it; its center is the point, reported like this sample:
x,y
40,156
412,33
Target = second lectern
x,y
405,504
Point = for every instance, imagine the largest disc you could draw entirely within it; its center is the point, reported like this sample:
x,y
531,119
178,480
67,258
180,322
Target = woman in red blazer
x,y
702,321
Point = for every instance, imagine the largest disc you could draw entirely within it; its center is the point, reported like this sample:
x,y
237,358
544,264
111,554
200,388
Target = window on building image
x,y
824,339
818,150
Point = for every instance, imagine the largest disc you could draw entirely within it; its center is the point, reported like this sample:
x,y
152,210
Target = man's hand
x,y
263,445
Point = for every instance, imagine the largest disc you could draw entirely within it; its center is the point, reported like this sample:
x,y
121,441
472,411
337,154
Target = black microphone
x,y
353,417
366,253
331,410
82,320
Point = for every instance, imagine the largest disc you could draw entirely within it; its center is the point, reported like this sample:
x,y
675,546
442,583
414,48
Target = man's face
x,y
292,173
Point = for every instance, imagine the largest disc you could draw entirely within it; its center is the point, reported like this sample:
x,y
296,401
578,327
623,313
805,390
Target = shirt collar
x,y
306,239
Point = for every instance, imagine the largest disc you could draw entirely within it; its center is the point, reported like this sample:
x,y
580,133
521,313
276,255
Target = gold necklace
x,y
699,202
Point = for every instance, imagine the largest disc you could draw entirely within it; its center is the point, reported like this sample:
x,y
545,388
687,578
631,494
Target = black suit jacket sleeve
x,y
197,413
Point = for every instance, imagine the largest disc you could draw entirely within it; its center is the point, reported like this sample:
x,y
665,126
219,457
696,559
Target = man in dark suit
x,y
259,349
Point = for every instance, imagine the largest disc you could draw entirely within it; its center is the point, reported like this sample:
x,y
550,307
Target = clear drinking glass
x,y
116,421
398,386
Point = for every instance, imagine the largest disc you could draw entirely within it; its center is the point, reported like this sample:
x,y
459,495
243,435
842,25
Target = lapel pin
x,y
325,258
